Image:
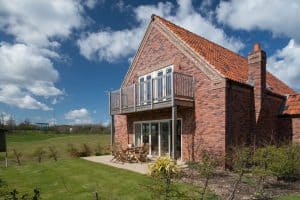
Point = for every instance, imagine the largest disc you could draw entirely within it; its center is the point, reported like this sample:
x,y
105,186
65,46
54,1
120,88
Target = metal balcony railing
x,y
158,92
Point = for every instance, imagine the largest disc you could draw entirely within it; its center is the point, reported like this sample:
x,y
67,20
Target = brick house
x,y
183,93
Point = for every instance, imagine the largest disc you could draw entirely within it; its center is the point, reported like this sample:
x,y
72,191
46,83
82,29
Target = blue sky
x,y
60,58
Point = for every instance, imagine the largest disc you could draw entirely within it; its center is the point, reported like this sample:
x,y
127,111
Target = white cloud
x,y
26,72
113,45
40,23
26,66
285,64
12,95
280,17
91,3
79,116
4,117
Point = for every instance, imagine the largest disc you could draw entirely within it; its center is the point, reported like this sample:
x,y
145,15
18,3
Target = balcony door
x,y
155,86
158,135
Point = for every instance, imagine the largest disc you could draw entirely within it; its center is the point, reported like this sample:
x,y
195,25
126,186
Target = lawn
x,y
76,179
69,178
290,197
72,178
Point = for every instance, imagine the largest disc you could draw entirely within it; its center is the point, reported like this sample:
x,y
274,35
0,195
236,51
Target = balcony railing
x,y
158,92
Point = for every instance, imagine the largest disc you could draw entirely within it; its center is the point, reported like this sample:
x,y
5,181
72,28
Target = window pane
x,y
142,90
138,135
148,91
159,85
168,82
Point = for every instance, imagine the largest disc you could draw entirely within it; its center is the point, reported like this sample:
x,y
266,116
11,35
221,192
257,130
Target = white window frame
x,y
154,91
169,135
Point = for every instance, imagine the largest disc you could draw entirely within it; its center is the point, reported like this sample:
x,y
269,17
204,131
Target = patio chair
x,y
118,154
143,153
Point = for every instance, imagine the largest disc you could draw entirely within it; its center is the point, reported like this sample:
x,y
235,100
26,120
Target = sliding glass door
x,y
158,135
154,139
164,138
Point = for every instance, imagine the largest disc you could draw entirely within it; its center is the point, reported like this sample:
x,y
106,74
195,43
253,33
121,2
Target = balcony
x,y
156,93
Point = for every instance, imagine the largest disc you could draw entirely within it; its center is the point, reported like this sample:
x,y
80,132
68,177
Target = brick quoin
x,y
226,113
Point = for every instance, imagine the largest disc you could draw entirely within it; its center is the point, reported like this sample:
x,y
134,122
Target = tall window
x,y
168,82
159,85
142,90
148,88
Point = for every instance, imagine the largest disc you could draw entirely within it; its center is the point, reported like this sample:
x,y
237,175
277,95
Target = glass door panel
x,y
164,138
137,135
178,139
154,139
145,133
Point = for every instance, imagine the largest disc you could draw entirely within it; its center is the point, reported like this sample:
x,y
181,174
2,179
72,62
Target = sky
x,y
59,59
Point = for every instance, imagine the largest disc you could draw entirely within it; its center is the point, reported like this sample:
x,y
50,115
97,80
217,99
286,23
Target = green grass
x,y
28,142
70,178
76,179
290,197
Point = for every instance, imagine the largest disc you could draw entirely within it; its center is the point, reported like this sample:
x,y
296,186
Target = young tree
x,y
240,164
39,153
53,153
206,168
262,157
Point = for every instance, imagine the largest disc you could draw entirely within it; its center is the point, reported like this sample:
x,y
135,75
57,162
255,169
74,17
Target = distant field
x,y
28,142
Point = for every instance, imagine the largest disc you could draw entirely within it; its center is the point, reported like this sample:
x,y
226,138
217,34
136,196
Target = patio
x,y
141,168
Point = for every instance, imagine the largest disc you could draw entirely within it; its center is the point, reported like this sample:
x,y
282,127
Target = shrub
x,y
285,164
163,170
73,151
53,153
99,151
39,153
14,195
86,151
262,158
4,191
18,156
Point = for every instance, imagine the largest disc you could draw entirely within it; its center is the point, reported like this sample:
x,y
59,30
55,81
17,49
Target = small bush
x,y
4,190
285,164
53,153
86,151
18,156
262,158
39,153
73,151
14,195
164,170
99,151
241,161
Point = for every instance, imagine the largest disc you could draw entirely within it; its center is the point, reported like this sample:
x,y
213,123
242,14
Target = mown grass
x,y
76,179
70,178
290,197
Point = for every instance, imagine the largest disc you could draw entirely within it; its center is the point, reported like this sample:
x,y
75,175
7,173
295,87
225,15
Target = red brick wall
x,y
204,126
121,133
296,130
267,127
240,118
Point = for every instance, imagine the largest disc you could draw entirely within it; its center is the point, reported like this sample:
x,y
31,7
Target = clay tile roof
x,y
230,64
292,106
